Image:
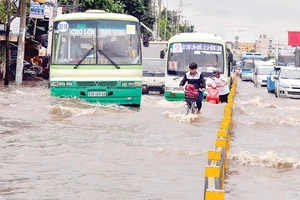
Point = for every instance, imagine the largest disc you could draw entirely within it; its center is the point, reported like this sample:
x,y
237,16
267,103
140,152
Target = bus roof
x,y
196,37
95,15
253,56
158,42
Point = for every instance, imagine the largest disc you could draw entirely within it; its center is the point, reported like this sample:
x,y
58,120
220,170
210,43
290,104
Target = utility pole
x,y
180,11
172,23
166,20
159,19
53,14
7,52
21,42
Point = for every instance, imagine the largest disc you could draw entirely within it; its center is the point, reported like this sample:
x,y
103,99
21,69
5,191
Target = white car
x,y
287,83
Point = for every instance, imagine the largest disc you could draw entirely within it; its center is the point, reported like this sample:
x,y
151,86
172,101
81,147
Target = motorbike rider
x,y
194,77
224,87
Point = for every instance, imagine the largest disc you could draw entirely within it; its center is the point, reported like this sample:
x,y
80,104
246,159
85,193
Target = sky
x,y
273,17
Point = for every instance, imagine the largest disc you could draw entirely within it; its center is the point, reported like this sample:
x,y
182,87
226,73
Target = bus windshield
x,y
153,65
208,56
119,40
248,65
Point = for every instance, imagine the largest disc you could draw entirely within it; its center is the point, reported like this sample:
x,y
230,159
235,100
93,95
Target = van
x,y
261,72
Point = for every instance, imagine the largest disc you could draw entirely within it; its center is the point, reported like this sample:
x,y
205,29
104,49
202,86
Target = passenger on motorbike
x,y
195,78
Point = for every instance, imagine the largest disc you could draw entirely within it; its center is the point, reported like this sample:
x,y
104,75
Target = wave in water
x,y
254,123
268,159
189,153
258,101
267,119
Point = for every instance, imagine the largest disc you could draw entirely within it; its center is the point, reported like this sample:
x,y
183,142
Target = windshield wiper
x,y
84,57
150,73
110,60
177,78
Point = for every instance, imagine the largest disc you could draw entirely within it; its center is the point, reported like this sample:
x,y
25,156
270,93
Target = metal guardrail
x,y
217,158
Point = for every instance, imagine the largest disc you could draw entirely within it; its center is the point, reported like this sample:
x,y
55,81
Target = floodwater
x,y
265,148
68,149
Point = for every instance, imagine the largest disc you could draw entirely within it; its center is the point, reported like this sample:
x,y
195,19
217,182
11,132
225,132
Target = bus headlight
x,y
131,83
61,84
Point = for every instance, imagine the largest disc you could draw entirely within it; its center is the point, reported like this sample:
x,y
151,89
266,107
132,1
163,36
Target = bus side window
x,y
63,54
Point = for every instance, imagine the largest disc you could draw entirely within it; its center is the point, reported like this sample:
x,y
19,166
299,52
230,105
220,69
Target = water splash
x,y
151,101
182,117
67,112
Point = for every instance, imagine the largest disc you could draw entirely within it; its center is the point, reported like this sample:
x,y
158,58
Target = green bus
x,y
96,56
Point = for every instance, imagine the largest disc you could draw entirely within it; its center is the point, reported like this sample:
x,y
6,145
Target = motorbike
x,y
213,93
29,70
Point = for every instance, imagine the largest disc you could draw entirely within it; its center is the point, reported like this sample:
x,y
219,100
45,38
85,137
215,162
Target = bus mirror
x,y
162,54
146,41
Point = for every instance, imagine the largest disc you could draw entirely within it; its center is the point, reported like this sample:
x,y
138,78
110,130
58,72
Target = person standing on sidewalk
x,y
224,87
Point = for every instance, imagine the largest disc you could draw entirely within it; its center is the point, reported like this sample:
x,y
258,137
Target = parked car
x,y
153,76
287,83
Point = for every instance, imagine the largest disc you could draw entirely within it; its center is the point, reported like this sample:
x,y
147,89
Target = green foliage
x,y
140,9
166,25
3,10
107,5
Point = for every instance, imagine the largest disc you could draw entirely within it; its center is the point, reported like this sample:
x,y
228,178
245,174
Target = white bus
x,y
207,50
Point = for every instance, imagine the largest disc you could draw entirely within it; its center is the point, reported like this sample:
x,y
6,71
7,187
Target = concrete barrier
x,y
217,159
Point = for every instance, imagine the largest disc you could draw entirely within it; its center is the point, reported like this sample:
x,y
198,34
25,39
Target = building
x,y
242,39
242,34
265,45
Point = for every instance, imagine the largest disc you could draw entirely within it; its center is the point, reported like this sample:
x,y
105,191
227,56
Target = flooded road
x,y
68,149
265,148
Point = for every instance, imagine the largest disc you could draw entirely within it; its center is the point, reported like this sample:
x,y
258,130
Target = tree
x,y
14,11
140,9
107,5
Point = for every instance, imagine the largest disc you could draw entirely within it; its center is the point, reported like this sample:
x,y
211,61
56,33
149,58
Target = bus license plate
x,y
154,92
97,94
